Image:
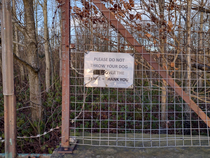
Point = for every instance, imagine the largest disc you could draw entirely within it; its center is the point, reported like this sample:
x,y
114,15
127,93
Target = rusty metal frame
x,y
65,73
147,56
8,81
66,50
65,7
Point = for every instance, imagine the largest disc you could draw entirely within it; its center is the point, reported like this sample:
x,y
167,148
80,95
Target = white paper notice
x,y
105,69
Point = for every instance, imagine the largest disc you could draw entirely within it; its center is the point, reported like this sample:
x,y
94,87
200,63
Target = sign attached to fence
x,y
104,69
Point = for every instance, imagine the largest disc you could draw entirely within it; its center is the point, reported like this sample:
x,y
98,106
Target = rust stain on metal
x,y
140,49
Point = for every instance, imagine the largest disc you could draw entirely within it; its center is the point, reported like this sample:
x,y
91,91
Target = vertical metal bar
x,y
7,53
65,74
8,81
10,125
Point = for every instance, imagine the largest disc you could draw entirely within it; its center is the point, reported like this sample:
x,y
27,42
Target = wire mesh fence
x,y
175,35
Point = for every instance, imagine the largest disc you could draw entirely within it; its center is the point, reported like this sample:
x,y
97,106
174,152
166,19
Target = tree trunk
x,y
179,45
36,15
200,58
188,72
16,39
31,48
162,50
60,50
46,48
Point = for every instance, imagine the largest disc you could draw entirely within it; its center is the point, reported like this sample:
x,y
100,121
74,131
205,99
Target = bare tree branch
x,y
19,43
21,61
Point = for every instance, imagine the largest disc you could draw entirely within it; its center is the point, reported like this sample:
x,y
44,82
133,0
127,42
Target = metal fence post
x,y
8,81
65,144
65,77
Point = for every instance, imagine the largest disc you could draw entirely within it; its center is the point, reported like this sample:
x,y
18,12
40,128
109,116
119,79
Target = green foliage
x,y
25,127
50,150
104,107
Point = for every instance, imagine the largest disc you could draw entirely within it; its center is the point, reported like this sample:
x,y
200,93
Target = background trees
x,y
33,46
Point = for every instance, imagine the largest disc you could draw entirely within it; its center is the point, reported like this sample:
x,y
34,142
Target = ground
x,y
108,152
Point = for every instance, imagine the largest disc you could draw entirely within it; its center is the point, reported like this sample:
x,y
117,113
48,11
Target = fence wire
x,y
151,114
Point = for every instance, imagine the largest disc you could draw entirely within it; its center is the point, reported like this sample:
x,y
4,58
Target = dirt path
x,y
108,152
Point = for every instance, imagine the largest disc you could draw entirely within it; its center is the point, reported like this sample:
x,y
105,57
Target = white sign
x,y
104,69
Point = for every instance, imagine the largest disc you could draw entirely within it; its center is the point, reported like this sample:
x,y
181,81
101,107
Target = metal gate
x,y
168,105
